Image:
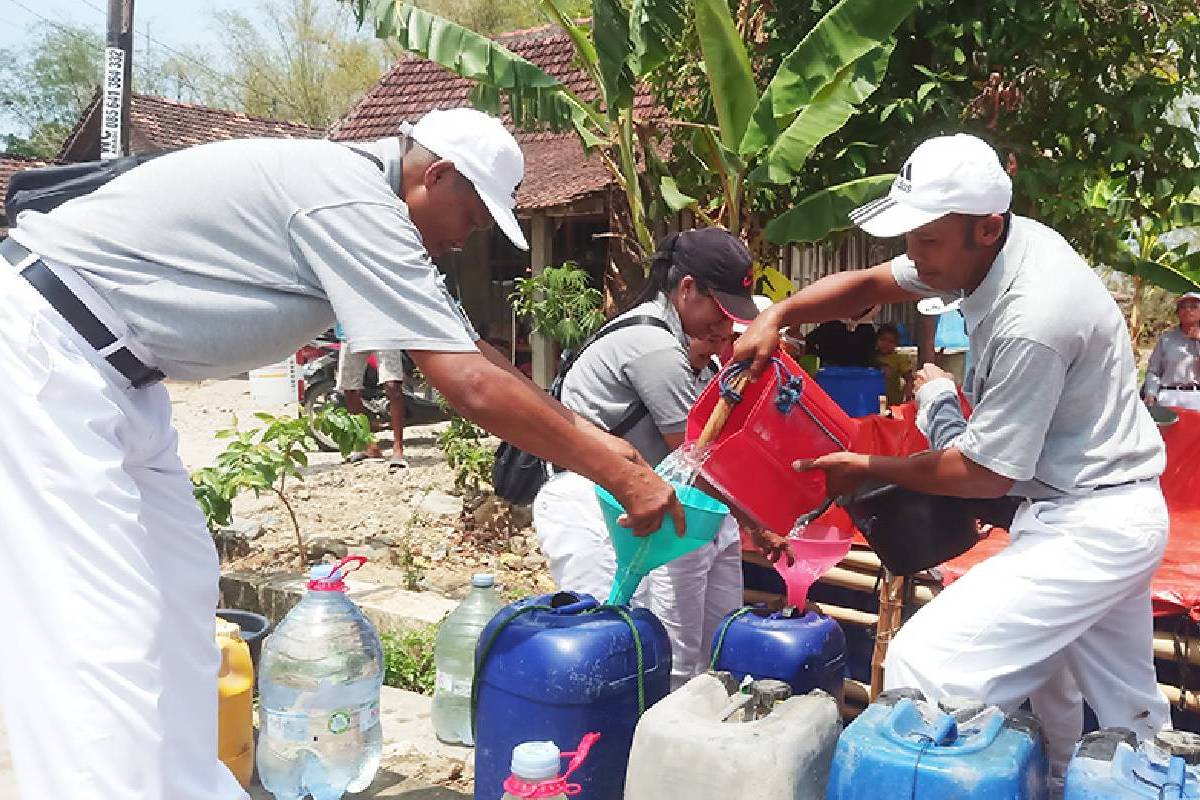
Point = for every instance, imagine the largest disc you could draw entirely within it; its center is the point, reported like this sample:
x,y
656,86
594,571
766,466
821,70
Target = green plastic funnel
x,y
638,555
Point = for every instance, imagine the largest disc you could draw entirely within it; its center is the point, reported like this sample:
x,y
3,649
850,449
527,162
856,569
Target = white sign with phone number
x,y
110,118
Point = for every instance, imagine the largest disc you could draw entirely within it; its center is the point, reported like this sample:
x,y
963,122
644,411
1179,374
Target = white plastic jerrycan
x,y
707,741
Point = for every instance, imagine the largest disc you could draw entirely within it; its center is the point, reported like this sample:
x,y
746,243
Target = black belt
x,y
1191,387
73,310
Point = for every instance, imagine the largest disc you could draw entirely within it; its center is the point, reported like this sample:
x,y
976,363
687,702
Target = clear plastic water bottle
x,y
454,655
319,681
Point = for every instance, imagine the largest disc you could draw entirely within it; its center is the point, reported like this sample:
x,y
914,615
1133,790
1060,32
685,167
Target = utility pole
x,y
118,79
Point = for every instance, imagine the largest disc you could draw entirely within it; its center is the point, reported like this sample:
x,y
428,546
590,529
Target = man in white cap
x,y
201,264
1057,421
1173,373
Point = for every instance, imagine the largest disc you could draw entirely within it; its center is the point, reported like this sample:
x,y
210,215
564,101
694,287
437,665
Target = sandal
x,y
396,464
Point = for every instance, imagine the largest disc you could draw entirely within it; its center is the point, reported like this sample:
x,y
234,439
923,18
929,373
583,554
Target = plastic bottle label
x,y
291,726
446,683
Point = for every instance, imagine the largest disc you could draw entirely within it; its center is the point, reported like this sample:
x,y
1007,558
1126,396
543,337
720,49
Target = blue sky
x,y
173,23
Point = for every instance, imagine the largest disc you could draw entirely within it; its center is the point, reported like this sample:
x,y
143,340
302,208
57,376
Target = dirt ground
x,y
418,531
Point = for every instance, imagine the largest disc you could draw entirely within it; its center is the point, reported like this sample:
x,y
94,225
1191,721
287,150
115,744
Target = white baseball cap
x,y
485,154
959,174
1187,296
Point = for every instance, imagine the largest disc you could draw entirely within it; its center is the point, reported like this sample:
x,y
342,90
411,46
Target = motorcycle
x,y
318,390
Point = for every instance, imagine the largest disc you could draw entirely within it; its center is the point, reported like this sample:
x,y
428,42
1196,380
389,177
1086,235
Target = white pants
x,y
1173,398
1060,615
108,679
689,595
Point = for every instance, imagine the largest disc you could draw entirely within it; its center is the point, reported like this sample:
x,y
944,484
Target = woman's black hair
x,y
664,275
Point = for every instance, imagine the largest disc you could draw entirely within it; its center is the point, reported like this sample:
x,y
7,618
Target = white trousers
x,y
108,681
1060,615
689,595
1173,398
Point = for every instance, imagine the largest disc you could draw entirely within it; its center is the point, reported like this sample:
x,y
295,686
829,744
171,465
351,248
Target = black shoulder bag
x,y
516,475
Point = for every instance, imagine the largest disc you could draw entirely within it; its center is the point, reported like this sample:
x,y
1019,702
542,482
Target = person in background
x,y
1173,374
351,370
846,342
698,286
897,371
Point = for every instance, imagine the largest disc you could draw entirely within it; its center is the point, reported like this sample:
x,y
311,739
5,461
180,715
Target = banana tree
x,y
1151,250
762,140
759,139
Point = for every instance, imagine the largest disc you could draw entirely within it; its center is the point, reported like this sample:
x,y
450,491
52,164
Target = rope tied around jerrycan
x,y
620,611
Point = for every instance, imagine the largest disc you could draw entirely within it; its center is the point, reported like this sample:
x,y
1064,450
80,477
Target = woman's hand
x,y
772,545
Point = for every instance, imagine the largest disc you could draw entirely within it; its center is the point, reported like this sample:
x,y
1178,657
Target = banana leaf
x,y
1163,276
849,31
536,98
654,26
821,213
829,111
728,68
610,31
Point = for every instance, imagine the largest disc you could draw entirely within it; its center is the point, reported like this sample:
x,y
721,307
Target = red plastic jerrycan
x,y
782,416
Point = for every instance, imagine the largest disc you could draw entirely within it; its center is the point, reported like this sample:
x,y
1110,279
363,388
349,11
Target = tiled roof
x,y
557,171
158,123
9,165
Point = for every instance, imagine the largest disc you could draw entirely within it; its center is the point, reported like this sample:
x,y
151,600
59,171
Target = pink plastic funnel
x,y
819,548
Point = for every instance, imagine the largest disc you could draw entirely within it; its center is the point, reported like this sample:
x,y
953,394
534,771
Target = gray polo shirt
x,y
641,362
228,256
1054,383
1174,362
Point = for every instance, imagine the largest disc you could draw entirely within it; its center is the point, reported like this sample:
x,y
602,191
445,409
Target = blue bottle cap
x,y
536,761
483,580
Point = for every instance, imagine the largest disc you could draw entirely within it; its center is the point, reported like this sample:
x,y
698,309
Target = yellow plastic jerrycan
x,y
235,713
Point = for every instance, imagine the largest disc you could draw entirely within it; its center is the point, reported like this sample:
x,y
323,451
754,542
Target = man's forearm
x,y
944,472
842,295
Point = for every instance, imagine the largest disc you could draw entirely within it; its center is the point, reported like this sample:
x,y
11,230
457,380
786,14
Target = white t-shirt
x,y
231,255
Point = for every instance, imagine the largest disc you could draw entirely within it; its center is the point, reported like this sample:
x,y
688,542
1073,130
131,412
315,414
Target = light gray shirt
x,y
231,255
1174,362
641,362
1054,383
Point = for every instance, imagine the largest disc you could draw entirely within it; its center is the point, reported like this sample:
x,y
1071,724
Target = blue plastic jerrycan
x,y
1109,764
916,749
557,667
805,650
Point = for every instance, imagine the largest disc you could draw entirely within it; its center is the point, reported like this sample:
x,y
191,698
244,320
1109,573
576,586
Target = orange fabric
x,y
1176,585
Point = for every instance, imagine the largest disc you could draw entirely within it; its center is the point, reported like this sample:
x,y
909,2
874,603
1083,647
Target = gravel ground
x,y
416,529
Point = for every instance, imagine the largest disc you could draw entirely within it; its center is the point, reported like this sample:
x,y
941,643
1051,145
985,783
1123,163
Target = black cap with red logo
x,y
721,264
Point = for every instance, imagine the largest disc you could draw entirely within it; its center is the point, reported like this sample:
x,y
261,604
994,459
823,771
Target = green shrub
x,y
408,659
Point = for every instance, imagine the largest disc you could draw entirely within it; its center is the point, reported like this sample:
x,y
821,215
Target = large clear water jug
x,y
454,656
319,683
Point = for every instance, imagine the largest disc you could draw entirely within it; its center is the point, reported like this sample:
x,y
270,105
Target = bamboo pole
x,y
891,610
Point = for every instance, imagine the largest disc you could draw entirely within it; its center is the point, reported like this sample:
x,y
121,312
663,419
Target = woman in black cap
x,y
637,382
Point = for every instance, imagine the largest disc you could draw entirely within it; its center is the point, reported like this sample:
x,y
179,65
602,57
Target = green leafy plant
x,y
560,304
755,138
262,459
408,659
466,451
